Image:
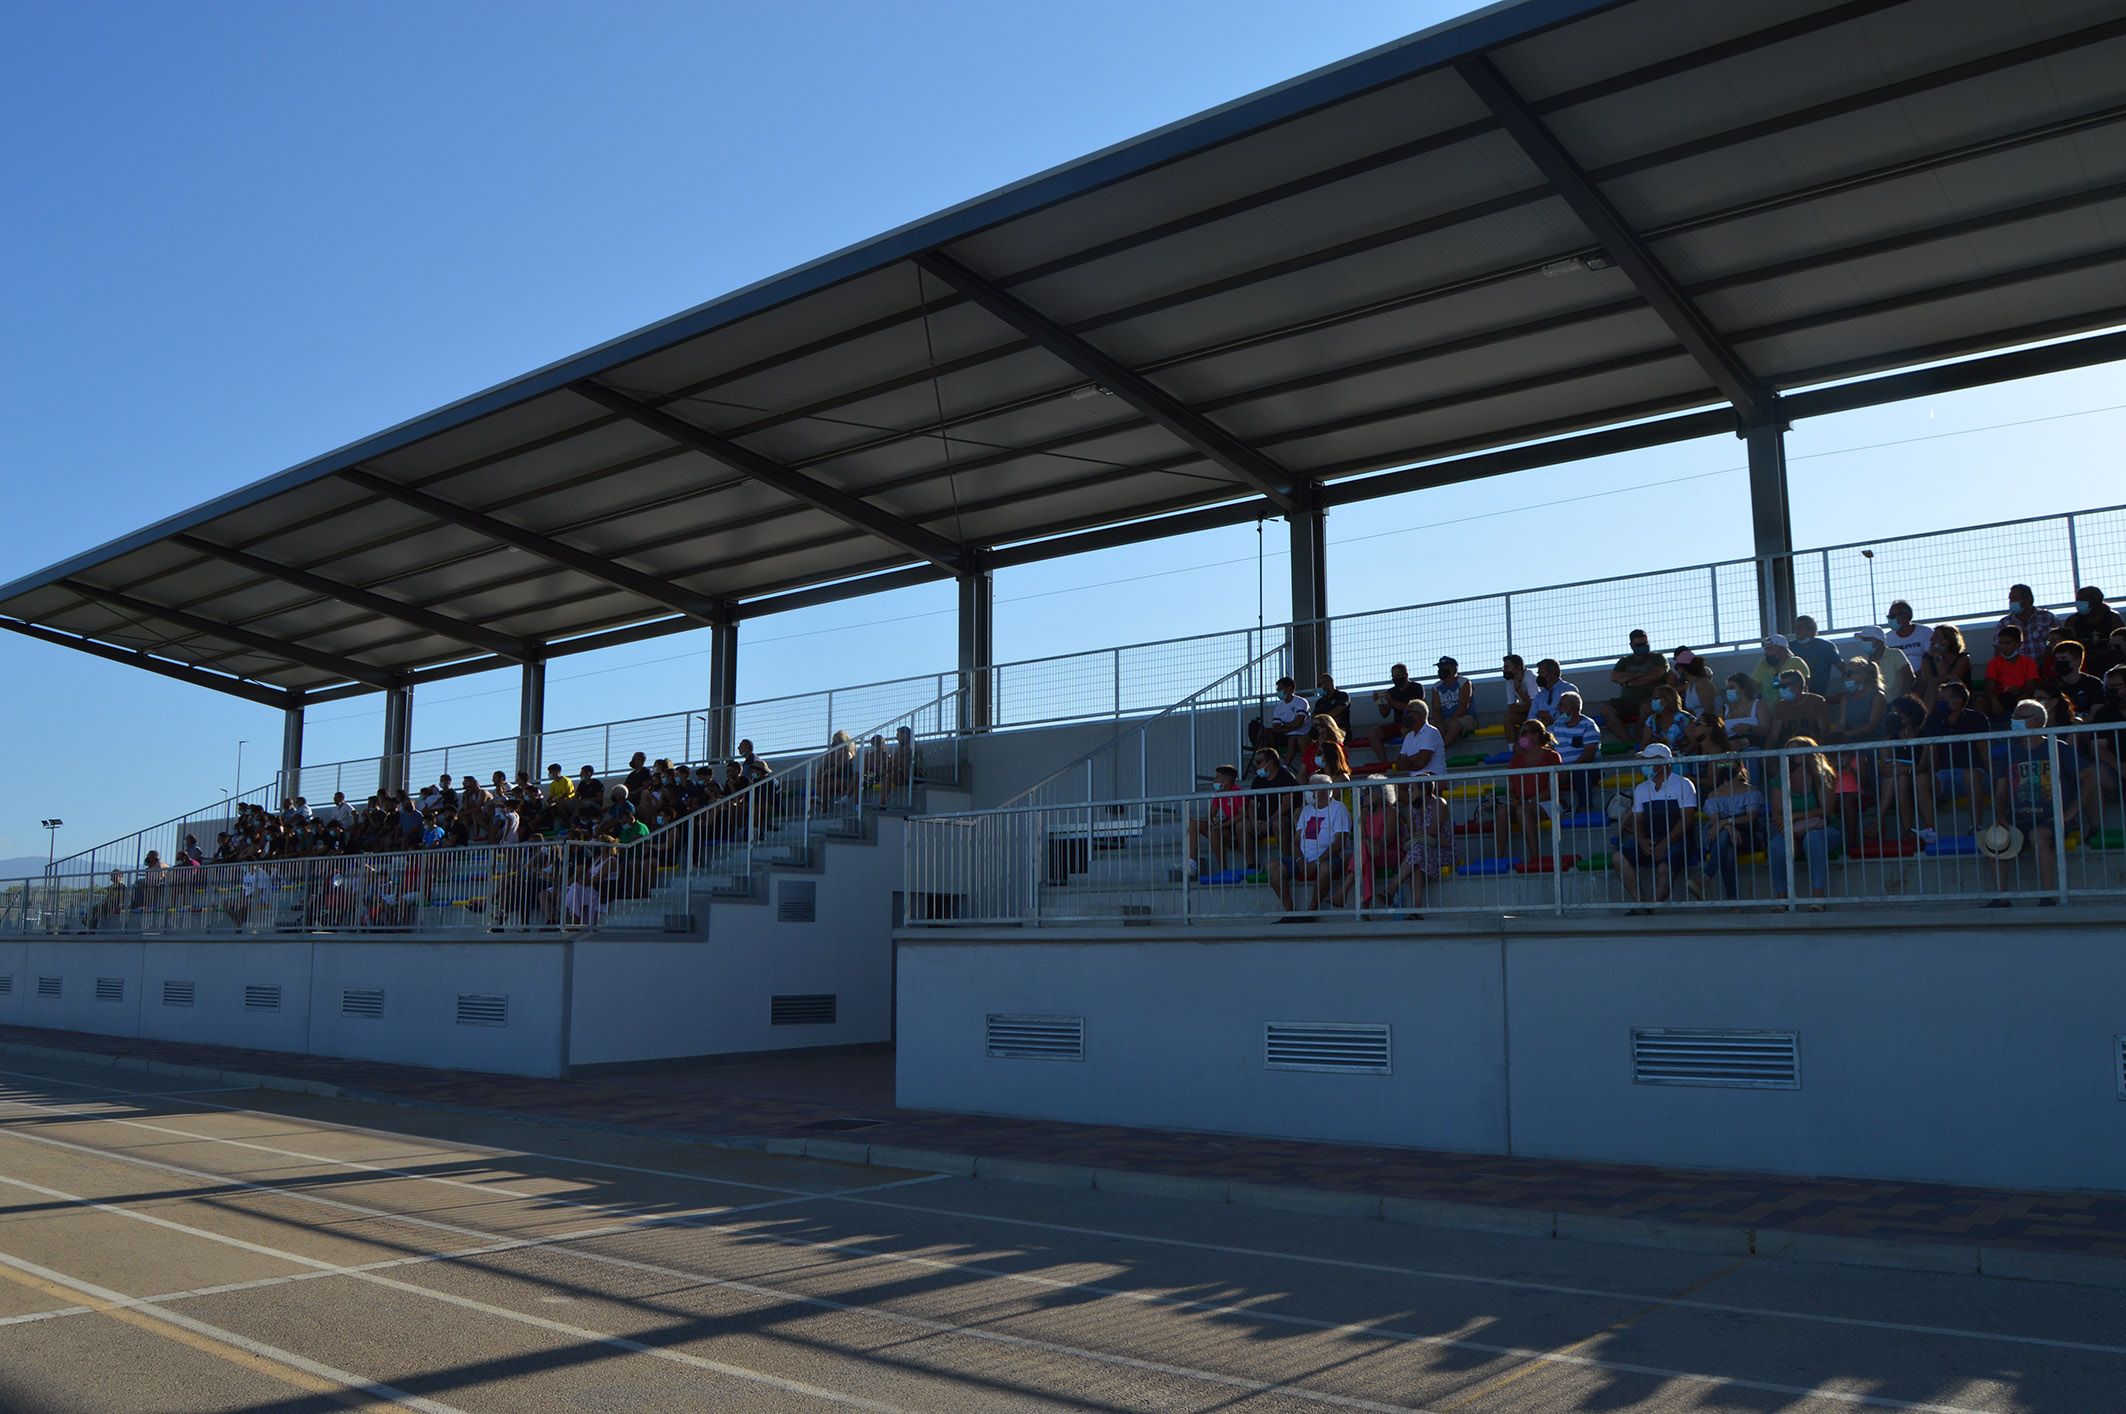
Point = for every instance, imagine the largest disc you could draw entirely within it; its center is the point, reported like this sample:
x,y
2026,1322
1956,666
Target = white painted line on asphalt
x,y
857,1196
324,1268
259,1349
367,1272
1254,1313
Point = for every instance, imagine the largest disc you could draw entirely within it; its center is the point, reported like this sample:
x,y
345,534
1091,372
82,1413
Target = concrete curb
x,y
1946,1258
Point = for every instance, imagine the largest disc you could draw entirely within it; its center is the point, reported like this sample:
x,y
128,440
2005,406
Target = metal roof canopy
x,y
1540,219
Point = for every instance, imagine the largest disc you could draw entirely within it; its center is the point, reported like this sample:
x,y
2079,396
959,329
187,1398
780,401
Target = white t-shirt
x,y
1318,827
1289,714
1677,790
1912,643
1426,738
1543,701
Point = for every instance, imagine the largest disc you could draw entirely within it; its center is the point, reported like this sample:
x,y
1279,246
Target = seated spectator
x,y
1578,739
1660,835
1820,657
340,812
1530,800
1807,826
1221,828
1636,675
904,764
1778,658
1271,820
1908,637
1905,786
1390,702
2023,803
2036,625
638,775
1427,834
1732,812
834,780
1957,767
1520,691
1666,721
589,788
2010,674
1798,712
1944,661
1332,702
1858,713
2084,690
1873,644
2113,655
1424,751
1452,701
1691,675
2093,621
1705,736
558,786
1748,716
1550,685
2107,749
1319,853
1285,728
1324,751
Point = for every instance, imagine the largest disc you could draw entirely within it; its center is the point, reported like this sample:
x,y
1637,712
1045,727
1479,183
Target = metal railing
x,y
1991,819
168,837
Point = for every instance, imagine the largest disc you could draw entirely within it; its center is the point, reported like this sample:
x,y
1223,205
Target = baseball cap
x,y
1657,751
1775,640
1870,634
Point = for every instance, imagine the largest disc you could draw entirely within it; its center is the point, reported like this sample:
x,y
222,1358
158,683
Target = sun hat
x,y
2000,841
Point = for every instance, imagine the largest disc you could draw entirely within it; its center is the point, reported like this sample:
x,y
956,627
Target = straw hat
x,y
2000,841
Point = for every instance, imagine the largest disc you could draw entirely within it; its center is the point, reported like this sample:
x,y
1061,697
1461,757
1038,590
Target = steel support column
x,y
1310,598
723,692
398,737
291,783
531,718
978,598
1772,525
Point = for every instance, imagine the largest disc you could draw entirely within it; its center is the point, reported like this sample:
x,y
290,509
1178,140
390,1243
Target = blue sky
x,y
241,234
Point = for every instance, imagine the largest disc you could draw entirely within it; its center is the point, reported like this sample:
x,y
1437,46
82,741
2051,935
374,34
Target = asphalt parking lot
x,y
166,1247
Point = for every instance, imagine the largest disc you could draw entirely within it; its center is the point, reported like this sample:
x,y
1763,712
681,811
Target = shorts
x,y
1332,866
1678,853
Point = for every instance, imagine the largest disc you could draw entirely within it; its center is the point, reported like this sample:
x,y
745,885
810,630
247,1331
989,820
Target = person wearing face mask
x,y
2107,751
1955,766
1578,738
1550,689
1808,824
1220,827
1272,816
2093,621
1820,657
1905,635
1857,714
2010,674
1798,712
1778,658
1522,812
1453,703
1749,717
1636,675
1520,687
2036,625
1873,644
1658,837
1692,678
1322,856
2065,676
2022,807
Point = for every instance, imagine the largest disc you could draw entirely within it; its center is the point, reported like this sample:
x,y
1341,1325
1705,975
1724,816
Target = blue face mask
x,y
1787,694
2087,606
1731,697
2018,724
1647,771
2018,606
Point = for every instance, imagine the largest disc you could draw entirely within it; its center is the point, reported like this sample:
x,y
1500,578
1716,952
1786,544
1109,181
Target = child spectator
x,y
2010,674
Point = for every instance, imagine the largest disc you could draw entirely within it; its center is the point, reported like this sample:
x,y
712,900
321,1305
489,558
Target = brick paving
x,y
812,1097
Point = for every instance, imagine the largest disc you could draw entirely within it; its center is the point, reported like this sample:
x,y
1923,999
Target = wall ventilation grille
x,y
1017,1037
262,996
110,989
1347,1048
811,1010
797,901
482,1009
48,986
2119,1071
7,984
1753,1060
362,1001
178,993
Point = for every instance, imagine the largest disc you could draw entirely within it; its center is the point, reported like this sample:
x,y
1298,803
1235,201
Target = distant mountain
x,y
28,866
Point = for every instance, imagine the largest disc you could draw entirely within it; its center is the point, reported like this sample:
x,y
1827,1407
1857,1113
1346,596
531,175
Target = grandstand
x,y
1547,231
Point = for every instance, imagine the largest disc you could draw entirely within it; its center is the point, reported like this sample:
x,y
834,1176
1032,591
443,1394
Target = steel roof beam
x,y
599,567
842,505
442,625
1756,403
352,669
179,672
1293,495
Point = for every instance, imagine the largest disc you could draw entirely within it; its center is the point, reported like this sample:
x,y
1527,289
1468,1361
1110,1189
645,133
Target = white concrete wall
x,y
657,1000
1933,1048
1174,1035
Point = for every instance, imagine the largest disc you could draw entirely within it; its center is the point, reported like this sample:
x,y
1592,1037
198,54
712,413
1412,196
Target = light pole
x,y
238,793
51,851
1874,609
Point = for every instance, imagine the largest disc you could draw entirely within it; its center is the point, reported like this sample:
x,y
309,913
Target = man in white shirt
x,y
1550,686
1905,636
1322,837
340,812
1658,835
1424,750
1286,725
